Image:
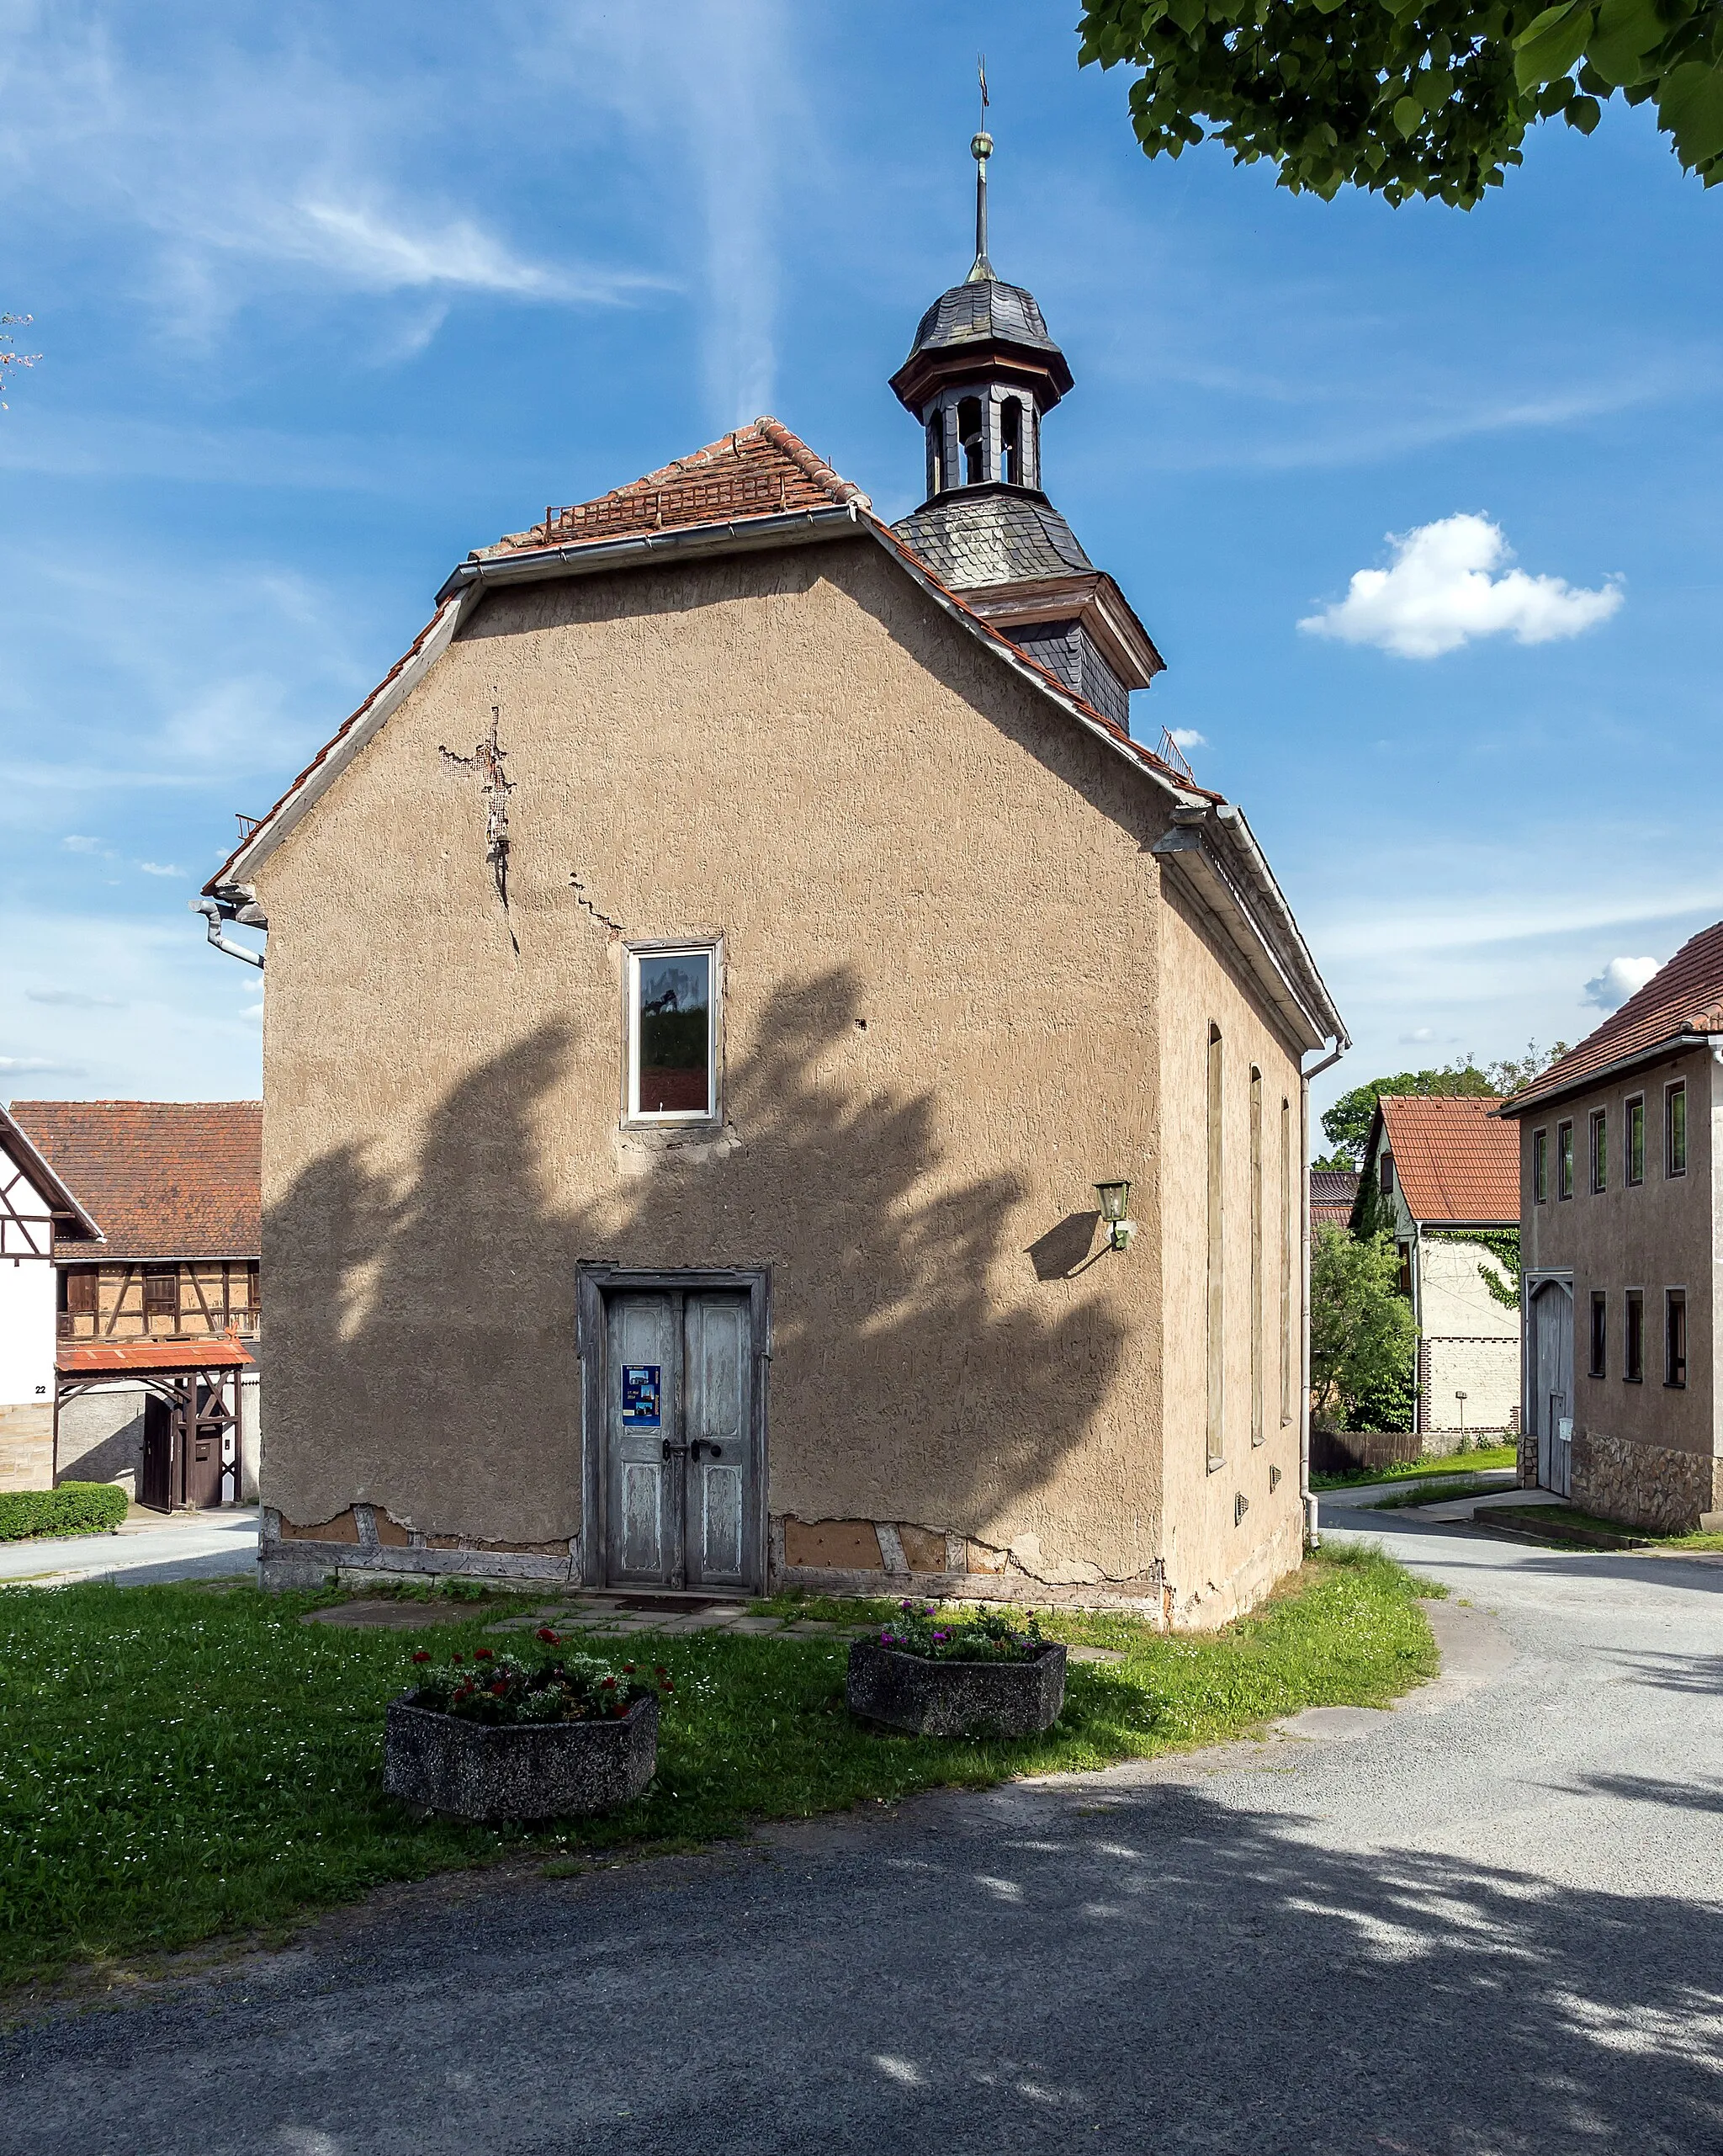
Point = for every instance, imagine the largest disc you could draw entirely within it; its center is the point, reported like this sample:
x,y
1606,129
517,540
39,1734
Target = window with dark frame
x,y
1564,1160
1385,1175
83,1285
1540,1167
1675,1336
1636,1138
1600,1334
161,1294
1600,1149
1675,1129
1633,1371
1406,1271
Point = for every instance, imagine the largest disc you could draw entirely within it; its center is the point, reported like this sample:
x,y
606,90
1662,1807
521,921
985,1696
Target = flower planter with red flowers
x,y
488,1737
968,1678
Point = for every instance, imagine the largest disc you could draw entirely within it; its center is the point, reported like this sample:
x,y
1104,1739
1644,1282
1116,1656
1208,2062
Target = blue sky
x,y
326,296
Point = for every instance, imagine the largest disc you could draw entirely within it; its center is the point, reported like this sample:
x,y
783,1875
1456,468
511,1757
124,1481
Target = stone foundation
x,y
27,1446
1643,1485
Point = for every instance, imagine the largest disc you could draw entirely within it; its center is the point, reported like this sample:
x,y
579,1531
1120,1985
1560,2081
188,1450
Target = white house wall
x,y
27,1300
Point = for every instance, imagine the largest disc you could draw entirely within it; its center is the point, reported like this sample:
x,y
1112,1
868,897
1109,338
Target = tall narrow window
x,y
969,439
1256,1428
1011,442
1540,1165
1217,1280
1675,1129
1600,1334
1675,1336
1636,1138
160,1295
81,1282
672,1074
1290,1240
1564,1160
1633,1360
936,454
1384,1174
1600,1151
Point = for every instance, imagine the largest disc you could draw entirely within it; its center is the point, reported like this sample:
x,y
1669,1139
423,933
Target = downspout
x,y
214,914
1313,1526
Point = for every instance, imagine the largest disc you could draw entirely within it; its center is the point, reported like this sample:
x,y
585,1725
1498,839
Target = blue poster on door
x,y
640,1394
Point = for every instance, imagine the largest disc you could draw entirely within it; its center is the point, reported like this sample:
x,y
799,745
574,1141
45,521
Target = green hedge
x,y
76,1508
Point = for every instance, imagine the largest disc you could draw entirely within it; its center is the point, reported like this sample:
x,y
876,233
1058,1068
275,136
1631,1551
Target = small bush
x,y
76,1508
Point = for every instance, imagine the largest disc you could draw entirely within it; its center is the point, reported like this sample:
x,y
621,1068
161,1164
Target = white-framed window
x,y
672,1005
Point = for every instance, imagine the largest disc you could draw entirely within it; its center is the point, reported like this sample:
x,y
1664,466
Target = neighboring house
x,y
35,1209
1333,1192
1620,1228
152,1327
708,979
1448,1171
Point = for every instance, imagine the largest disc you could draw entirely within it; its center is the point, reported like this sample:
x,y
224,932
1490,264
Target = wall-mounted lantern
x,y
1114,1198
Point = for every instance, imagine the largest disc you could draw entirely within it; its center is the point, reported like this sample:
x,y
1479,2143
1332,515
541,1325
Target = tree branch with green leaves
x,y
1429,97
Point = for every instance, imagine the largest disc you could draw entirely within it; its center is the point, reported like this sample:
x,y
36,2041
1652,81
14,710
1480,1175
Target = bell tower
x,y
981,374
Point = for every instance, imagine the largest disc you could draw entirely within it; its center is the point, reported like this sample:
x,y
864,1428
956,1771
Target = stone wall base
x,y
1643,1485
27,1446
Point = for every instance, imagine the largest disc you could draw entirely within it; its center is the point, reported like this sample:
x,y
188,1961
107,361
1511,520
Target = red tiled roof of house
x,y
759,471
221,1353
1686,997
1454,1158
162,1179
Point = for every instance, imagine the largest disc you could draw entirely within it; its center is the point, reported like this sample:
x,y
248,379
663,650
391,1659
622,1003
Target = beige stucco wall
x,y
1655,1235
946,960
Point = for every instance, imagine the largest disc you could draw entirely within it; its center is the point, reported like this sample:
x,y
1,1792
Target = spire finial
x,y
981,149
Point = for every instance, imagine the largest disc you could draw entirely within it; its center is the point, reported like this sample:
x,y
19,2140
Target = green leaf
x,y
1408,114
1628,32
1582,112
1552,43
1690,110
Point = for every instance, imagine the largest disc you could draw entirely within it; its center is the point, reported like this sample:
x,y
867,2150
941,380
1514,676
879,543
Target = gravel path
x,y
1488,1923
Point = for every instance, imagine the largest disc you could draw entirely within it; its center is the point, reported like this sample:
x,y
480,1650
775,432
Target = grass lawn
x,y
179,1762
1485,1456
1435,1489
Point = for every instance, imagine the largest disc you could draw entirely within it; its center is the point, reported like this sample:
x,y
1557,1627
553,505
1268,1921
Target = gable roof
x,y
1332,1191
1682,1004
164,1179
1455,1161
760,487
70,1216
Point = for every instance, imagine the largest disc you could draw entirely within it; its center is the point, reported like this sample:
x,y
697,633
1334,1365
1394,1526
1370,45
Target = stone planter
x,y
956,1699
527,1770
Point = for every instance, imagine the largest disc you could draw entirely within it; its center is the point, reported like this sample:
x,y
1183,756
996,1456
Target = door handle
x,y
673,1445
698,1443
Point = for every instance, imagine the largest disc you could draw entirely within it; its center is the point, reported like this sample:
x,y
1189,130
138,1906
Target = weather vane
x,y
981,149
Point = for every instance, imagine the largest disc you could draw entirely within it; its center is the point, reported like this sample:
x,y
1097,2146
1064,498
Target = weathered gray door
x,y
681,1470
1549,1361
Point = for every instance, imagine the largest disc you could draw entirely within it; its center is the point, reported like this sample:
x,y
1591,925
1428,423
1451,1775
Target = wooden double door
x,y
190,1443
683,1428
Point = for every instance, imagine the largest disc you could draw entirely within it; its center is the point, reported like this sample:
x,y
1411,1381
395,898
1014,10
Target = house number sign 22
x,y
640,1393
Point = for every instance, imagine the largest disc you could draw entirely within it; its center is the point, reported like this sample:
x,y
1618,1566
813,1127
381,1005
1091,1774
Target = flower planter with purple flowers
x,y
974,1678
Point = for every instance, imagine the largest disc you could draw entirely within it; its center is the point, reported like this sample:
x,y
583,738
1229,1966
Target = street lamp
x,y
1114,1198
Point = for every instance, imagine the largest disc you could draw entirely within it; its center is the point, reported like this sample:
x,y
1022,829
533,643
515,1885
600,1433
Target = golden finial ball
x,y
982,147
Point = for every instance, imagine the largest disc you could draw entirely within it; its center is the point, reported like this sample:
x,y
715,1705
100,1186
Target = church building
x,y
767,1081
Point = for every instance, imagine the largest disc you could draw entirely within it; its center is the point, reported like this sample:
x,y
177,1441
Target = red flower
x,y
421,1654
609,1684
659,1669
627,1668
457,1658
549,1638
484,1654
501,1687
664,1684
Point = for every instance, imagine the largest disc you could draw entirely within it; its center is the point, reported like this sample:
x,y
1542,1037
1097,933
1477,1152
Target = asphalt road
x,y
149,1547
1489,1922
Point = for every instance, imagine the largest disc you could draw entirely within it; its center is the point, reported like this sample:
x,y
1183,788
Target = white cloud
x,y
19,1066
72,999
78,845
1621,978
160,868
1186,737
1441,592
1418,1034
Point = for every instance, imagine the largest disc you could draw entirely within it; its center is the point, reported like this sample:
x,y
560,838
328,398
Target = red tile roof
x,y
1686,997
1332,1193
221,1353
761,471
1455,1160
163,1179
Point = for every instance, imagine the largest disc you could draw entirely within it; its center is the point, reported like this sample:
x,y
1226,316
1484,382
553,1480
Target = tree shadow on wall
x,y
423,1347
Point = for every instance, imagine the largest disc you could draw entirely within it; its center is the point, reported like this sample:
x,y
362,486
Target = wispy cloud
x,y
1187,737
72,999
1442,591
1620,978
160,868
37,1066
